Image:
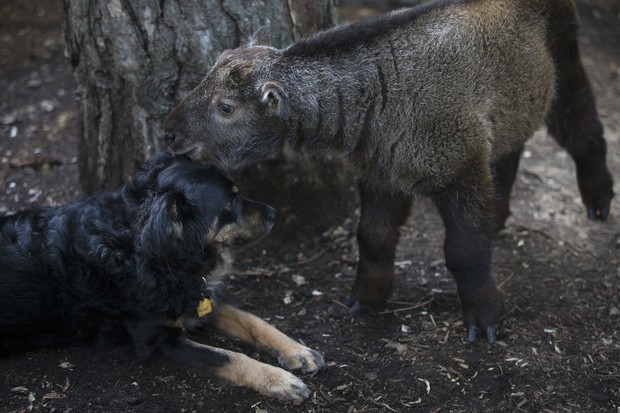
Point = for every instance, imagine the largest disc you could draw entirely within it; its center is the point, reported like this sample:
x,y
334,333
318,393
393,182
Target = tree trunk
x,y
134,59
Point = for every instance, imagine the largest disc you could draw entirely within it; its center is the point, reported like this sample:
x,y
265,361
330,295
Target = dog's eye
x,y
226,109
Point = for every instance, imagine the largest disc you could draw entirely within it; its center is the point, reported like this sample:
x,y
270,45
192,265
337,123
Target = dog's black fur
x,y
129,268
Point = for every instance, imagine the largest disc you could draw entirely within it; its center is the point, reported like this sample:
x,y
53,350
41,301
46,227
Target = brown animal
x,y
435,100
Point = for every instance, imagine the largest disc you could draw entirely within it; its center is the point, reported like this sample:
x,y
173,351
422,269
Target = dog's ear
x,y
276,100
162,232
147,176
177,208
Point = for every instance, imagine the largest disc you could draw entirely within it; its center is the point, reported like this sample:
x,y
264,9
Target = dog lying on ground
x,y
136,268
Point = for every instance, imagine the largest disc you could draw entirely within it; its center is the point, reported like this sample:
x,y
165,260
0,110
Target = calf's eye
x,y
226,109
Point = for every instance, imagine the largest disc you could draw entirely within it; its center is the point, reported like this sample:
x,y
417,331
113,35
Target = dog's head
x,y
190,210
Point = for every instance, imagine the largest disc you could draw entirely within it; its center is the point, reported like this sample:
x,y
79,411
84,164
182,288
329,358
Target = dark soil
x,y
558,350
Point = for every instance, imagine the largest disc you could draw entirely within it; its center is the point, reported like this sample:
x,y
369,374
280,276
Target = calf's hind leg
x,y
573,121
382,214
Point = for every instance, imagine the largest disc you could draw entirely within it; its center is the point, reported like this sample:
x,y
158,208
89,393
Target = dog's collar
x,y
205,306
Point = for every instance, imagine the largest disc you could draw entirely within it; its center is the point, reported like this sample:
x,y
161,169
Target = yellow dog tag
x,y
204,307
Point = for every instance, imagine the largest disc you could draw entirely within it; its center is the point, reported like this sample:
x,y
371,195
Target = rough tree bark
x,y
135,59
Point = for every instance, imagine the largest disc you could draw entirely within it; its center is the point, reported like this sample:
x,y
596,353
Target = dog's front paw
x,y
302,358
268,380
286,387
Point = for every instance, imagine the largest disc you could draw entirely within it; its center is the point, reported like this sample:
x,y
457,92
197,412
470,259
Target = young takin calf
x,y
436,100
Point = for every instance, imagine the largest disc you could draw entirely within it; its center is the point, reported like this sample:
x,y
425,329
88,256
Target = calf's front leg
x,y
382,215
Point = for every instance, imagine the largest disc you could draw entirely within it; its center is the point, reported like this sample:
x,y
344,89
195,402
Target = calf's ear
x,y
261,37
276,100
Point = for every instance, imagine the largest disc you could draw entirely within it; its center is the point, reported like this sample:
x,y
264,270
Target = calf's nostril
x,y
169,138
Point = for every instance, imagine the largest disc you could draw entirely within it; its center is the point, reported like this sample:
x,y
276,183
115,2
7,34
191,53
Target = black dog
x,y
136,267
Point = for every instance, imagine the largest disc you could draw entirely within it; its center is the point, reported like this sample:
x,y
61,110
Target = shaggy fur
x,y
129,268
436,100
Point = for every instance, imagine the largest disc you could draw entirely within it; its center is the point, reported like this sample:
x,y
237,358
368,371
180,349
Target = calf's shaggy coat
x,y
435,100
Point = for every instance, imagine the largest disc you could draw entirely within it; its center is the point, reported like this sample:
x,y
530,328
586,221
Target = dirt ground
x,y
558,350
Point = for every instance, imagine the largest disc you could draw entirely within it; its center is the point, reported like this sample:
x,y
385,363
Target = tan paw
x,y
302,358
286,387
268,380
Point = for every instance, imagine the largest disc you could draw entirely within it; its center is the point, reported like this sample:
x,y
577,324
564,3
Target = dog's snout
x,y
270,214
169,138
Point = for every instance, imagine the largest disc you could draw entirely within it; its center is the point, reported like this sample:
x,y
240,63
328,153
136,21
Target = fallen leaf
x,y
20,389
53,396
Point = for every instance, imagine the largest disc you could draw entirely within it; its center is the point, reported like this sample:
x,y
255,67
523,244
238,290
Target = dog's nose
x,y
169,138
270,214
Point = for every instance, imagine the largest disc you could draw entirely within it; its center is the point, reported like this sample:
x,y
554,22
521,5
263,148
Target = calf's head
x,y
237,115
